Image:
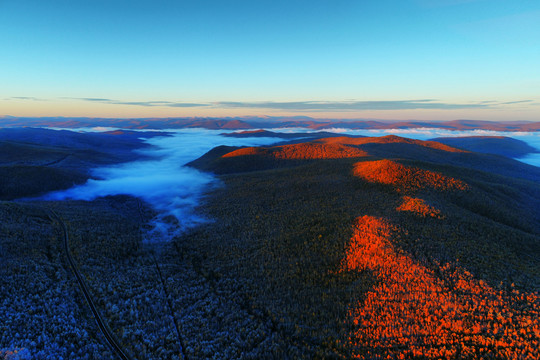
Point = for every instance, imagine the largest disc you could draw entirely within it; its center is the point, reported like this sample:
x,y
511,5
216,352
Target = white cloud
x,y
170,187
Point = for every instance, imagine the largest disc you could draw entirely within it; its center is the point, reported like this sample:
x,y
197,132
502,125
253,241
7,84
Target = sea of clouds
x,y
175,190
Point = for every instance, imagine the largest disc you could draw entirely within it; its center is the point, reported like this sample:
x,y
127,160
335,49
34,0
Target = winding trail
x,y
56,161
181,343
171,310
101,323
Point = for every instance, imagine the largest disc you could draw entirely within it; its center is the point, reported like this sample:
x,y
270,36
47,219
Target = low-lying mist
x,y
174,190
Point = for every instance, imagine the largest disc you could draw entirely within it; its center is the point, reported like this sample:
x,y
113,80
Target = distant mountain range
x,y
253,122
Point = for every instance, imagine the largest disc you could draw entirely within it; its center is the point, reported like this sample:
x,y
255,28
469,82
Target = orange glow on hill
x,y
303,151
389,139
331,148
419,207
414,312
246,151
405,178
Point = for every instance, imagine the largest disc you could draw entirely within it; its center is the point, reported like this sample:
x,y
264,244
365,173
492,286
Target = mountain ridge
x,y
253,122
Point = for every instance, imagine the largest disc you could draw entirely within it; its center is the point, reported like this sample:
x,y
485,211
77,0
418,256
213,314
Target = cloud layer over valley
x,y
170,187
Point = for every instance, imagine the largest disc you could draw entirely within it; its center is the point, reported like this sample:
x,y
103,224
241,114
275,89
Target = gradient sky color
x,y
401,59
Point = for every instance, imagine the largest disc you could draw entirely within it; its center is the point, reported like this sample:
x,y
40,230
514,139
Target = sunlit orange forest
x,y
416,312
377,254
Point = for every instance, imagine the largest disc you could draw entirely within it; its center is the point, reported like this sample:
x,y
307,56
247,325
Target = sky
x,y
380,59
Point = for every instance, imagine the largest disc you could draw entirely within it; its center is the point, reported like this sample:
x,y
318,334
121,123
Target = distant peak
x,y
302,151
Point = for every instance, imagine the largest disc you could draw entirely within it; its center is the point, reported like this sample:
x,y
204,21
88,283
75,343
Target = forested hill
x,y
449,152
35,161
377,247
499,145
258,122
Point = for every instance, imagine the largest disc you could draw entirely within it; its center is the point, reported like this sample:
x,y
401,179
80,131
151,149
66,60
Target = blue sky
x,y
416,59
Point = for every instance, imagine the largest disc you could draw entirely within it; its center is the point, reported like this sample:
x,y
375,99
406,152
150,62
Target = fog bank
x,y
172,189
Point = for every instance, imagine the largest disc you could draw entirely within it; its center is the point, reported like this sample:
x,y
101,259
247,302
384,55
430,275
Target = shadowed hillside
x,y
20,181
498,145
118,144
36,161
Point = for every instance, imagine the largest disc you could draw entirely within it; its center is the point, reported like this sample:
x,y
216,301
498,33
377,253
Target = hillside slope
x,y
498,145
330,250
36,161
